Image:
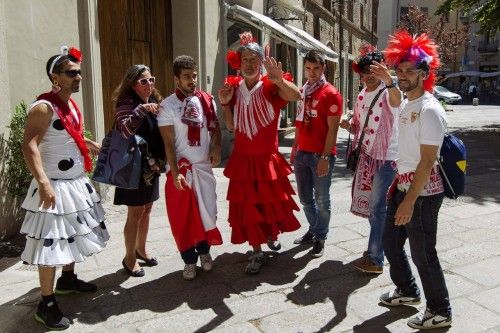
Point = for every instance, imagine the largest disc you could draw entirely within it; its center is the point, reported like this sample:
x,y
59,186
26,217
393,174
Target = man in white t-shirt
x,y
414,204
379,101
191,135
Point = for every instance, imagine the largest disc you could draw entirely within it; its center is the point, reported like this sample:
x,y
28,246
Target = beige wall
x,y
35,31
30,32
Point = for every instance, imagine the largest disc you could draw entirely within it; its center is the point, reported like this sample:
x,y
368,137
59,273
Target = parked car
x,y
443,94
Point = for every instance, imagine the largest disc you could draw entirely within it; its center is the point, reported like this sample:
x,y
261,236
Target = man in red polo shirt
x,y
313,151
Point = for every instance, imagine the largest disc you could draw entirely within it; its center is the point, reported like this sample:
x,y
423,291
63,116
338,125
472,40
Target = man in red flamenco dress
x,y
259,193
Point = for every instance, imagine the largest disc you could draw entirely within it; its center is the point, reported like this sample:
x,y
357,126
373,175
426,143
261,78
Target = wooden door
x,y
134,32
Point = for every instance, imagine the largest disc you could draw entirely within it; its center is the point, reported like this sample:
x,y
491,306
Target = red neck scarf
x,y
74,129
206,101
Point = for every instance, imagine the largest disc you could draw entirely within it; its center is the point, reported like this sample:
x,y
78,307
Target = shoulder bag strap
x,y
375,99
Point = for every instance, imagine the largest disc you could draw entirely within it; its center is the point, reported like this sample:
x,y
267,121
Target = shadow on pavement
x,y
379,323
168,293
332,280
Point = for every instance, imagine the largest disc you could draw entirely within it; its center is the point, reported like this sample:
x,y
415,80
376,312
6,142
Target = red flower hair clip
x,y
75,53
233,58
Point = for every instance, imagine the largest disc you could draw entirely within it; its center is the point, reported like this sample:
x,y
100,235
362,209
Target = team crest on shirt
x,y
414,116
314,113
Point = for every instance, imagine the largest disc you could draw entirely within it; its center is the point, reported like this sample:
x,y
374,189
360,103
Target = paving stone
x,y
479,235
312,318
470,253
484,272
237,328
489,298
470,317
489,221
472,210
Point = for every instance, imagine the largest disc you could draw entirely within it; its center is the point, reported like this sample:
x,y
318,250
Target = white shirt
x,y
421,122
171,111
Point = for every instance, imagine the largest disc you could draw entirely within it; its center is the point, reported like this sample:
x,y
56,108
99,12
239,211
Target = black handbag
x,y
353,155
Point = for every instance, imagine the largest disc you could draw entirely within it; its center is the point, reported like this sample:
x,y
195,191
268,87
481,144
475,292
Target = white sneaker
x,y
189,272
206,262
427,320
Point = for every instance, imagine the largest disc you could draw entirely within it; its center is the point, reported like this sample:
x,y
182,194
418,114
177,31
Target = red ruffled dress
x,y
259,193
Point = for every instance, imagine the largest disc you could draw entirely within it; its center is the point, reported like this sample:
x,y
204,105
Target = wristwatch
x,y
325,157
392,85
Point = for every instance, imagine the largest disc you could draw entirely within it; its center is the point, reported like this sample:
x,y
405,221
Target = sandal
x,y
149,262
138,273
256,262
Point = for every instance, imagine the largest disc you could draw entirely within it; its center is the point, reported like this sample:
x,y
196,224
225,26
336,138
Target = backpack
x,y
452,164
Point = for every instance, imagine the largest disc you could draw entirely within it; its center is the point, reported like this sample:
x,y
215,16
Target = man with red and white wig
x,y
191,135
259,193
414,203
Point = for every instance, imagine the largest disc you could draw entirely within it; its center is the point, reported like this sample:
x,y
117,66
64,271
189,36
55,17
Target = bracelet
x,y
224,104
325,157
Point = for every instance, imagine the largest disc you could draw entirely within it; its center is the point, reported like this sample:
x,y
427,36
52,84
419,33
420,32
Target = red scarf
x,y
74,129
206,101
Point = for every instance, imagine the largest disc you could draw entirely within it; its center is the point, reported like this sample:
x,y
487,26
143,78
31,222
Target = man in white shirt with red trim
x,y
413,206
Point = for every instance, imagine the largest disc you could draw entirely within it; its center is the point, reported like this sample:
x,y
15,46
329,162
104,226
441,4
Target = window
x,y
328,5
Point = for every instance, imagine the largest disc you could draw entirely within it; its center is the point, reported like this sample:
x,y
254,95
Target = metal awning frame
x,y
276,30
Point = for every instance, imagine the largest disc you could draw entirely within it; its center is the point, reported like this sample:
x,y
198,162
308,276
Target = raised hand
x,y
274,70
381,72
225,93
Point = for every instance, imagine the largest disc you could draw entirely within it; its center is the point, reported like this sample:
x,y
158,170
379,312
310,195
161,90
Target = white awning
x,y
466,73
278,31
329,53
490,74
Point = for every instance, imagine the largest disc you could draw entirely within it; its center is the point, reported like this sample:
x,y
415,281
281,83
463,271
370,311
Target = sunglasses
x,y
73,72
145,81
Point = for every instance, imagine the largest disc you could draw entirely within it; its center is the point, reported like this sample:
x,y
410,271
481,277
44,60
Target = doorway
x,y
134,32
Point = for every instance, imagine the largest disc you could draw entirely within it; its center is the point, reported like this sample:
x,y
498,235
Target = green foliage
x,y
484,12
19,177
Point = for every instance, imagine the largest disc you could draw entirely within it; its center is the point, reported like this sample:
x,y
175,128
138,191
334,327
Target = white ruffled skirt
x,y
69,232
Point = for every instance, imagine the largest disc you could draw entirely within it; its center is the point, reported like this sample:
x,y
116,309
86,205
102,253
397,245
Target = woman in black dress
x,y
137,101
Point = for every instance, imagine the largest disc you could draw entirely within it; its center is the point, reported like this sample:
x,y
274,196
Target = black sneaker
x,y
66,286
50,316
318,248
306,239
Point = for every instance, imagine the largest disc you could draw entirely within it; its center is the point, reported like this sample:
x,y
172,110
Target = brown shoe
x,y
364,264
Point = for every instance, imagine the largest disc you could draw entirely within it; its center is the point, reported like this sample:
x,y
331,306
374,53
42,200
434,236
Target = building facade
x,y
116,34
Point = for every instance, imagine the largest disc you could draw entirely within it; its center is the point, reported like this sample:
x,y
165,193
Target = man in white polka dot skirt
x,y
64,219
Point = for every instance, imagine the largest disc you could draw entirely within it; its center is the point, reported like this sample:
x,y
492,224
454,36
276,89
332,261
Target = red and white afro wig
x,y
419,49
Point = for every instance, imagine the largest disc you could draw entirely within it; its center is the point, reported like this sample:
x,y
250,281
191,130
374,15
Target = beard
x,y
250,75
407,85
187,89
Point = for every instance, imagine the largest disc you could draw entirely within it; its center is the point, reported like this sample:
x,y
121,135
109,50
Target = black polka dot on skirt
x,y
65,165
57,124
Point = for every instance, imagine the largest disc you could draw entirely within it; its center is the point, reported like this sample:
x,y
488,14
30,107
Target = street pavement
x,y
294,293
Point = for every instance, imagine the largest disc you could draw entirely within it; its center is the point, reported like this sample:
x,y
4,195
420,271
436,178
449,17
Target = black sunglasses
x,y
73,72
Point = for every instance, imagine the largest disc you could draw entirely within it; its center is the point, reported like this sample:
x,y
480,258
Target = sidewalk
x,y
294,293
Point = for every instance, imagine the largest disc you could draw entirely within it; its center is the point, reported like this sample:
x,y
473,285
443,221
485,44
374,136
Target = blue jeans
x,y
421,232
382,180
314,192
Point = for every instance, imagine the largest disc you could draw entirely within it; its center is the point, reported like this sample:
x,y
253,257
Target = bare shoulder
x,y
39,116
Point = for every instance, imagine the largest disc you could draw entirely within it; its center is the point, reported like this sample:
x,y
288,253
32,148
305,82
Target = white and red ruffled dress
x,y
259,193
